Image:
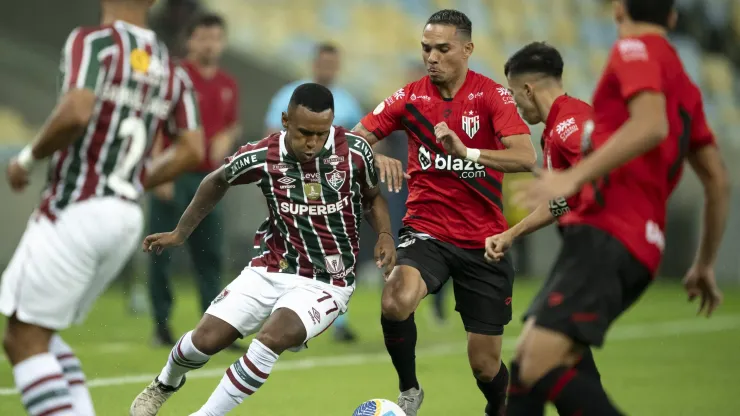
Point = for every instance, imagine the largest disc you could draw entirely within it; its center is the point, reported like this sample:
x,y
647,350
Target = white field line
x,y
624,332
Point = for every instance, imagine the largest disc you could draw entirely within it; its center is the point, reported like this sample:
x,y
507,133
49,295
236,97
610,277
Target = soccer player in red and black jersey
x,y
534,74
648,117
464,133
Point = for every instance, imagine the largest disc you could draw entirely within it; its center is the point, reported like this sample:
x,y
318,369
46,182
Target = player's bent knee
x,y
213,335
402,294
282,330
484,355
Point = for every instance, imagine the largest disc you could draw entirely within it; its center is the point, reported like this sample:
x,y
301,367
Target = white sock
x,y
242,379
43,388
183,358
72,370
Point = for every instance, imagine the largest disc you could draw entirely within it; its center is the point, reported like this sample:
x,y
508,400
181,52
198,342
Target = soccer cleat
x,y
149,401
410,400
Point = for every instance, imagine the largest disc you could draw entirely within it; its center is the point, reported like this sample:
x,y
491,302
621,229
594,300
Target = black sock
x,y
520,402
400,341
495,392
574,393
587,365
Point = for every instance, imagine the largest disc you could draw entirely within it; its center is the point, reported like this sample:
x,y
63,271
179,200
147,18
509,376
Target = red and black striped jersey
x,y
139,89
315,207
451,199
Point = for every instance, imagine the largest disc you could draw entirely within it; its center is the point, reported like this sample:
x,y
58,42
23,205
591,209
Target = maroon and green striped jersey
x,y
315,207
139,90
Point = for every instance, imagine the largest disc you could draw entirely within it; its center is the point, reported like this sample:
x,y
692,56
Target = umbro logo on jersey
x,y
286,180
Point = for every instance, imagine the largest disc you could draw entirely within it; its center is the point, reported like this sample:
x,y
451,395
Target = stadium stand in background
x,y
379,37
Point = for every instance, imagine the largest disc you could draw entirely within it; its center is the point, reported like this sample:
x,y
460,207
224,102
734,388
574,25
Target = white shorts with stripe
x,y
61,267
255,294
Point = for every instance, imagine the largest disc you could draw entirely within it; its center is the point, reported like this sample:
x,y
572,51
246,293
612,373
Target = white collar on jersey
x,y
329,142
139,31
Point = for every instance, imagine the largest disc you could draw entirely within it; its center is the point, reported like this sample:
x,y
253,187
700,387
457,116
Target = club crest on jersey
x,y
335,179
312,190
140,60
334,160
334,264
220,296
470,123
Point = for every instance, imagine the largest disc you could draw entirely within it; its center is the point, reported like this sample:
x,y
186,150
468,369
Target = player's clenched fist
x,y
390,171
385,254
158,242
449,139
497,245
17,176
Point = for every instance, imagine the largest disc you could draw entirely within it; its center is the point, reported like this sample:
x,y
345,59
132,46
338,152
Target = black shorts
x,y
482,290
594,280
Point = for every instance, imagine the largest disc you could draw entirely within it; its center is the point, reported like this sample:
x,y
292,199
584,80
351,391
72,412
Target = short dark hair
x,y
535,58
315,97
326,47
455,18
206,20
650,11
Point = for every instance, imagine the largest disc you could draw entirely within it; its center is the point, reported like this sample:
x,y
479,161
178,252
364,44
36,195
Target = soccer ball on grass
x,y
378,407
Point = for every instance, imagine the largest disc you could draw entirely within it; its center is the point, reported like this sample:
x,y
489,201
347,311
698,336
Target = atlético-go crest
x,y
470,123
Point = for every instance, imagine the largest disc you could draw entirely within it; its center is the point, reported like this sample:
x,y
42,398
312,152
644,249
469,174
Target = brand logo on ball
x,y
470,124
335,179
312,190
220,296
334,160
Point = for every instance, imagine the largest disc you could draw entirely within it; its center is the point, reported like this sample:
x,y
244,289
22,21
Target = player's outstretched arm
x,y
187,152
65,124
376,212
390,170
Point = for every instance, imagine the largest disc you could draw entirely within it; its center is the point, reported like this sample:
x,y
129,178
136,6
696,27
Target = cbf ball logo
x,y
378,407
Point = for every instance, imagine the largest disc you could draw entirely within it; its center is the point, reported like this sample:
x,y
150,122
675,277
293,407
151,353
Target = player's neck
x,y
451,88
125,13
205,70
637,29
546,98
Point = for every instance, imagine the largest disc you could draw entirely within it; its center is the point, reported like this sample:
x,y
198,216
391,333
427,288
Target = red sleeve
x,y
701,133
232,113
504,115
386,118
567,136
636,68
246,165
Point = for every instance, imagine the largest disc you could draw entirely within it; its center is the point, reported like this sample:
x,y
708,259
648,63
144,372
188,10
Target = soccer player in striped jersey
x,y
119,87
318,181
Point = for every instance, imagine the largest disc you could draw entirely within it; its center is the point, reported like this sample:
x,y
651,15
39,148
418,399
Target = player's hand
x,y
700,281
17,176
497,245
546,185
452,144
385,254
165,192
158,242
390,171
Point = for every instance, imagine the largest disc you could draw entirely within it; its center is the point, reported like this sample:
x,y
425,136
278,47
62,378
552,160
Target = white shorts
x,y
60,268
255,294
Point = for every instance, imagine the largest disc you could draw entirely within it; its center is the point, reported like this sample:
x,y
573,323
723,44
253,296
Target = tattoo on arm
x,y
368,135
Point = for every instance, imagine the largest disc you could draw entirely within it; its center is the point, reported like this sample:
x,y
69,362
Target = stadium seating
x,y
379,37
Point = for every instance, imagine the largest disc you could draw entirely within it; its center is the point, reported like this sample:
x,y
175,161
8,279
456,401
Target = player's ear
x,y
285,120
673,19
468,49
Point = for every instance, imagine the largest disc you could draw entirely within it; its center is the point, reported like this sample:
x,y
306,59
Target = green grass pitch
x,y
660,359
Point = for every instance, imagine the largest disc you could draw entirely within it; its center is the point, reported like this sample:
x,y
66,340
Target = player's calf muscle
x,y
23,340
484,355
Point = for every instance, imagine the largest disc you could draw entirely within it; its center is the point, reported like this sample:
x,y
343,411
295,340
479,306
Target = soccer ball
x,y
378,407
